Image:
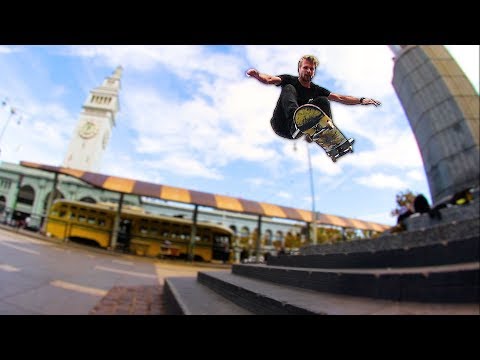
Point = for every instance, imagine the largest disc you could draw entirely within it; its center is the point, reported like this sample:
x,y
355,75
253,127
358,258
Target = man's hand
x,y
253,72
367,101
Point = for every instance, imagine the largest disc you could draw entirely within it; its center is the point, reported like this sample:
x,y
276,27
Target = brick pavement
x,y
134,300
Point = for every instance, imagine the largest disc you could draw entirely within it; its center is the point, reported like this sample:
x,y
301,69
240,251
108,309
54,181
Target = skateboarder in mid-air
x,y
297,91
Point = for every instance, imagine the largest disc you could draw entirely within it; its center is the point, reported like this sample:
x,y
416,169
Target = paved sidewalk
x,y
135,300
131,300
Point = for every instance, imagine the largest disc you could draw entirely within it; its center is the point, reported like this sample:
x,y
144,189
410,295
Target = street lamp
x,y
12,112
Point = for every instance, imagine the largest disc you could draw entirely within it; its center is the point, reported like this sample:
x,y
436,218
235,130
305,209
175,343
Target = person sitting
x,y
420,204
405,211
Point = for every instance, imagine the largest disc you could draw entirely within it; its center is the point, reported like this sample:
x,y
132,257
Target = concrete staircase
x,y
428,271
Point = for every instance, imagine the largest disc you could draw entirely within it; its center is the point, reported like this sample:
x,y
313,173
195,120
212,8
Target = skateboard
x,y
311,120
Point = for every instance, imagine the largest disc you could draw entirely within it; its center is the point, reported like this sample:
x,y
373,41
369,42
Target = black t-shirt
x,y
304,94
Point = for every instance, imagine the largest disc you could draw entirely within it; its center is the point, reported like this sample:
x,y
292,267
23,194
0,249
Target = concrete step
x,y
443,253
186,296
267,298
458,283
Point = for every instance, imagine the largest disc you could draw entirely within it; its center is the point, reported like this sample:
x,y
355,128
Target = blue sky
x,y
189,117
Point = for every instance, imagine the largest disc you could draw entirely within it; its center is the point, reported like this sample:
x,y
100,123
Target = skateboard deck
x,y
311,120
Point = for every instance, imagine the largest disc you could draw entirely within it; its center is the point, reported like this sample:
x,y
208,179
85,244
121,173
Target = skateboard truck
x,y
341,150
319,132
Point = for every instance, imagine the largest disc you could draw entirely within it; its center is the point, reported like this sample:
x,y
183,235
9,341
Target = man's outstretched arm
x,y
353,100
264,78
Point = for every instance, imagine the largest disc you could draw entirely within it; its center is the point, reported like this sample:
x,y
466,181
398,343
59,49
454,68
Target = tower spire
x,y
112,82
397,49
117,74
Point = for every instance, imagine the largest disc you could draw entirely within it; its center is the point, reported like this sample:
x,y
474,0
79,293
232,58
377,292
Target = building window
x,y
26,195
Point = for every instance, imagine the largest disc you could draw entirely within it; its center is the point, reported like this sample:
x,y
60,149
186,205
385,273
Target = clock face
x,y
88,130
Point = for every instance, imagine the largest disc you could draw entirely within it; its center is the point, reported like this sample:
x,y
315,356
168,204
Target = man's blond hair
x,y
311,58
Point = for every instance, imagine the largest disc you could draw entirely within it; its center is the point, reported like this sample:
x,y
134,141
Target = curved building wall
x,y
442,107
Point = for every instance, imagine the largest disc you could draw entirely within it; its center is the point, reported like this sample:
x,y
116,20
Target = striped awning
x,y
222,202
325,219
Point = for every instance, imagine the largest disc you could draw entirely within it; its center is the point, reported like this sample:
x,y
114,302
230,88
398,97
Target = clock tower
x,y
95,125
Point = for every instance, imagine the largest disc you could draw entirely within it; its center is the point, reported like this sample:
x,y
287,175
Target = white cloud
x,y
188,62
127,166
258,181
382,181
381,218
284,194
416,175
195,128
183,166
5,49
359,70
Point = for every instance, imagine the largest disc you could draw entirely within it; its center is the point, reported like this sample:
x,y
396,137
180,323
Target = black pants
x,y
282,119
403,216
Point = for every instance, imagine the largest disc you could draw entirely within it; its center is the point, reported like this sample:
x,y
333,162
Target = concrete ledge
x,y
253,295
187,296
457,213
457,283
447,252
445,232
